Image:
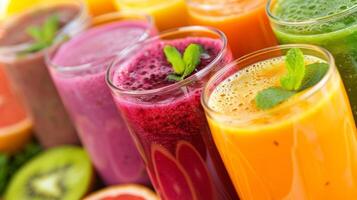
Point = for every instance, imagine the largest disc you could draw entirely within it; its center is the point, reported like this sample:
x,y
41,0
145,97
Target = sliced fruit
x,y
124,192
172,178
63,173
15,125
195,167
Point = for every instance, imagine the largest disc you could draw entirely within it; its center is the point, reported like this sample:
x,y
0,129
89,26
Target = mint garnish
x,y
295,65
183,66
271,97
43,35
298,78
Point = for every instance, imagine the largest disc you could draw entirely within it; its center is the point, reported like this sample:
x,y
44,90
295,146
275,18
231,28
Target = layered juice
x,y
331,24
169,126
78,69
167,14
29,75
244,22
305,148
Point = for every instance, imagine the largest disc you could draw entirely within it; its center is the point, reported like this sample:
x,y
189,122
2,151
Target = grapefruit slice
x,y
196,169
15,125
124,192
173,181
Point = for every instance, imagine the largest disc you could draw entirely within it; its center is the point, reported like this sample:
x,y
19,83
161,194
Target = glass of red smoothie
x,y
28,72
166,118
78,69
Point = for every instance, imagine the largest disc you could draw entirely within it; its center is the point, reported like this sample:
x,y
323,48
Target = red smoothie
x,y
29,75
78,69
168,121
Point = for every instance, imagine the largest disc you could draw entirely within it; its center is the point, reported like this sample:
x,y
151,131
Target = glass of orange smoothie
x,y
167,13
304,148
243,21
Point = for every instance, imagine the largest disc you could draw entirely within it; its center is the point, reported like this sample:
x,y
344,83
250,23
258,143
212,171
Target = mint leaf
x,y
4,172
314,74
272,97
192,58
174,57
173,77
295,64
35,33
50,29
43,35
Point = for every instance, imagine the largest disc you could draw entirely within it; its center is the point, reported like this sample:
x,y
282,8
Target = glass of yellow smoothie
x,y
167,13
303,148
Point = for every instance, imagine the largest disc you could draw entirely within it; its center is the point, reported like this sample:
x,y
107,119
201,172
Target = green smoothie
x,y
328,23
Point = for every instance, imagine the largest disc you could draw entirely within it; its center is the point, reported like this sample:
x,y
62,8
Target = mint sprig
x,y
298,78
183,66
43,35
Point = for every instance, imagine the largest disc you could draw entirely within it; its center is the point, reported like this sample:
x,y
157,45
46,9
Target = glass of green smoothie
x,y
331,24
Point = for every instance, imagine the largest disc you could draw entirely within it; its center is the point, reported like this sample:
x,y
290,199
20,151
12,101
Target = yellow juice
x,y
167,13
305,148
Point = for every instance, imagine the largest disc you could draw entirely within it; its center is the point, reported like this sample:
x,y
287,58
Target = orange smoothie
x,y
305,148
99,7
243,21
167,13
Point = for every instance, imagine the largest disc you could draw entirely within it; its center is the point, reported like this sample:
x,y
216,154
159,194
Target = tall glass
x,y
78,69
303,149
169,125
28,72
337,33
167,14
243,21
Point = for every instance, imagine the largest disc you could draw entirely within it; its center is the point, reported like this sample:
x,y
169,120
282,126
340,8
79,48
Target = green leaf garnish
x,y
43,35
272,97
183,67
298,78
314,73
174,57
295,64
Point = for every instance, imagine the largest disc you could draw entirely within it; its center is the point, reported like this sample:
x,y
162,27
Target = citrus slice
x,y
173,180
15,125
124,192
196,169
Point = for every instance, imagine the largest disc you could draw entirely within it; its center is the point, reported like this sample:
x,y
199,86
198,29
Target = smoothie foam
x,y
89,102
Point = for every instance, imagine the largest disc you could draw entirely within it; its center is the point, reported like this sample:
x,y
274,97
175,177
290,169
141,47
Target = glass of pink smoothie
x,y
78,69
28,72
166,118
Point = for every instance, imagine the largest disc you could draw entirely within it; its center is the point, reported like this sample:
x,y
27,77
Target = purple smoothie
x,y
170,125
80,79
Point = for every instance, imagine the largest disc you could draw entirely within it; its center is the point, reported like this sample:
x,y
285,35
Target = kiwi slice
x,y
63,173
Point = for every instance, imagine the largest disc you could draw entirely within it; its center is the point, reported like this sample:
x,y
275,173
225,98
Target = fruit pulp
x,y
244,22
304,149
89,102
29,75
337,34
170,128
167,14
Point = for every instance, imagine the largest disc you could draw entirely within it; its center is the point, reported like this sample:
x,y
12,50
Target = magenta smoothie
x,y
170,126
29,75
78,70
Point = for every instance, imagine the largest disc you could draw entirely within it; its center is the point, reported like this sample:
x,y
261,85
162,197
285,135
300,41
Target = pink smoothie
x,y
171,127
80,79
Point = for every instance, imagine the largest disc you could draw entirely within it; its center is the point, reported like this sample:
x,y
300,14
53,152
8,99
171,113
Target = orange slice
x,y
15,125
124,192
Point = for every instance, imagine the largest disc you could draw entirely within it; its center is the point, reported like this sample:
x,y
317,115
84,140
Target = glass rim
x,y
273,18
94,20
313,90
14,49
182,83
